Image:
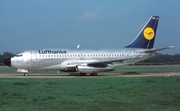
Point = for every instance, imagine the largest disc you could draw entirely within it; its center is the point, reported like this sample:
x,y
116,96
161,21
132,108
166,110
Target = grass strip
x,y
145,93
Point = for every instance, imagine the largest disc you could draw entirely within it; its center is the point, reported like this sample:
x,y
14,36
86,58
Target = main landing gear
x,y
91,74
83,74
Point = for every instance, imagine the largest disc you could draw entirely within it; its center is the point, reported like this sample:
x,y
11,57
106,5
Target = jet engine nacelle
x,y
90,69
66,67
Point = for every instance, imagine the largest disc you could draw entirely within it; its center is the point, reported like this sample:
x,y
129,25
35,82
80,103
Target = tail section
x,y
146,37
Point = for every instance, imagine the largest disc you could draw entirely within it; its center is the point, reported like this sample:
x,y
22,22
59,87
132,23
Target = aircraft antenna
x,y
78,46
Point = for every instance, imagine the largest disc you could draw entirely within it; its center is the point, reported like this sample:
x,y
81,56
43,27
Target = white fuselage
x,y
63,59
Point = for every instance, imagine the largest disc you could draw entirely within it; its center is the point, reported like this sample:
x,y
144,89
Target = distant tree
x,y
162,59
5,56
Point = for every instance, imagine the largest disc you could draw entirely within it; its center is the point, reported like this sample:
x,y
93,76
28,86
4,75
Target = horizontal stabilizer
x,y
159,49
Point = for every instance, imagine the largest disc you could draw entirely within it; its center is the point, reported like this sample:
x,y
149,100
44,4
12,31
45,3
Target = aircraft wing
x,y
158,49
98,63
103,63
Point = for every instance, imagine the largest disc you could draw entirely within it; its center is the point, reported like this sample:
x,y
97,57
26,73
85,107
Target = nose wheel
x,y
23,71
25,74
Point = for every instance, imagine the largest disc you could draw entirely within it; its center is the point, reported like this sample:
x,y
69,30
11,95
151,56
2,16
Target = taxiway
x,y
76,75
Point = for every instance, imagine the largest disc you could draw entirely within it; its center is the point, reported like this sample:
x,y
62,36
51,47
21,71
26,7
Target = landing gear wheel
x,y
83,74
25,74
93,74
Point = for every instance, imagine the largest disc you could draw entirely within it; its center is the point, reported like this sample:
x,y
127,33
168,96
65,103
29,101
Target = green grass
x,y
149,69
6,69
91,94
124,69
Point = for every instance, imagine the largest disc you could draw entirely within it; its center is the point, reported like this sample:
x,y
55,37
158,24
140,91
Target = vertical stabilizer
x,y
146,37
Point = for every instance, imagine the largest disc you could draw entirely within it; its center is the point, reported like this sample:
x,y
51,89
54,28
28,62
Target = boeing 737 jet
x,y
90,61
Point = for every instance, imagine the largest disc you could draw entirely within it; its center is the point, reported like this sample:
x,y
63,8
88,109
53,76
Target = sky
x,y
99,24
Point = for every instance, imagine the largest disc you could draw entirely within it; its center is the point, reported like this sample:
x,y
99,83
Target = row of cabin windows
x,y
88,55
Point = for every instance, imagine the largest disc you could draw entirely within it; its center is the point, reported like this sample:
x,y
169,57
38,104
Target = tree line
x,y
162,59
5,56
159,59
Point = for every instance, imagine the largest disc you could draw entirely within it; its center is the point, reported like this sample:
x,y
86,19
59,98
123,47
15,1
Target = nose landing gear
x,y
24,71
25,74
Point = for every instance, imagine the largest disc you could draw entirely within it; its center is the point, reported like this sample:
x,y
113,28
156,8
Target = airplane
x,y
90,61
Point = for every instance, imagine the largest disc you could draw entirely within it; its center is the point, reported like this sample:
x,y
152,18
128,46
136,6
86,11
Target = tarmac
x,y
100,75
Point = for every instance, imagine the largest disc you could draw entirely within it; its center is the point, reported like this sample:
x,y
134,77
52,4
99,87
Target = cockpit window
x,y
18,55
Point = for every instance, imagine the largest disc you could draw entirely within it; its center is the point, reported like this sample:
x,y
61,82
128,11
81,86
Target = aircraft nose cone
x,y
8,62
